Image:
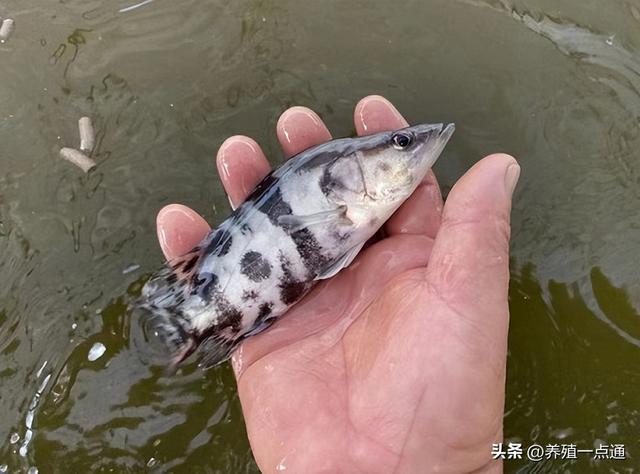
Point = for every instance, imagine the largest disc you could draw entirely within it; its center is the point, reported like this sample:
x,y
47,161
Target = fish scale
x,y
304,222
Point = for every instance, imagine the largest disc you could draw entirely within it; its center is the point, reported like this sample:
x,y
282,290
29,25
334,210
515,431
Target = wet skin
x,y
398,363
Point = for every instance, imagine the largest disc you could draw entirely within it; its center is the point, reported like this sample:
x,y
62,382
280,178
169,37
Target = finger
x,y
469,265
241,165
300,128
179,229
421,213
375,114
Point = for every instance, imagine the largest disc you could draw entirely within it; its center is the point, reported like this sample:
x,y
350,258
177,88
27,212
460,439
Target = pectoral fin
x,y
294,223
340,263
215,350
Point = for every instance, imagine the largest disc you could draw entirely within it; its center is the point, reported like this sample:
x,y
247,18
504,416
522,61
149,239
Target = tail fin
x,y
175,336
173,300
163,300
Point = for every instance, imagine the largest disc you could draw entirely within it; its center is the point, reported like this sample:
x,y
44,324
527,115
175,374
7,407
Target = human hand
x,y
397,364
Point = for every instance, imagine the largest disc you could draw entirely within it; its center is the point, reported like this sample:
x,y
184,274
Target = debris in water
x,y
7,27
15,437
31,412
39,373
32,470
96,351
133,7
152,462
3,468
78,158
74,326
87,135
131,268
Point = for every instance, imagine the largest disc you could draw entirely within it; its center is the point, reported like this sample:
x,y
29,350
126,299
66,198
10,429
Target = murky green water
x,y
555,83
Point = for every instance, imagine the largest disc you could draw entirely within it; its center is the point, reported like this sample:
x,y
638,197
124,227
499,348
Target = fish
x,y
304,222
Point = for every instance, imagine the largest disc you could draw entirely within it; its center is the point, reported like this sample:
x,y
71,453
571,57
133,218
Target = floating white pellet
x,y
25,444
78,158
28,420
96,351
87,135
15,437
6,28
131,268
39,373
133,7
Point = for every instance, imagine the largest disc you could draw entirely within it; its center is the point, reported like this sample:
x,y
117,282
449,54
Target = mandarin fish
x,y
304,222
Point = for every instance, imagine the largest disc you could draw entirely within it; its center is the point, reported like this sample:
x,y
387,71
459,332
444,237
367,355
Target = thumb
x,y
469,264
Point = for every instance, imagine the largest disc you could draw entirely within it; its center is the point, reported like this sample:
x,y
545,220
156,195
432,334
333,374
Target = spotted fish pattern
x,y
304,222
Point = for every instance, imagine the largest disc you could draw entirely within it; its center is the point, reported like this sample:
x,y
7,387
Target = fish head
x,y
384,169
392,170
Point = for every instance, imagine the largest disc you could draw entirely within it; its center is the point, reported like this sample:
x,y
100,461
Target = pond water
x,y
557,84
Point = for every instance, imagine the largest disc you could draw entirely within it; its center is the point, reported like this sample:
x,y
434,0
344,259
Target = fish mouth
x,y
437,134
432,138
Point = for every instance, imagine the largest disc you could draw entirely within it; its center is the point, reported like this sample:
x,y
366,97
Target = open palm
x,y
398,363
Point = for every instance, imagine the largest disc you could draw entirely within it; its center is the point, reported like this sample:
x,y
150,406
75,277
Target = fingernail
x,y
374,114
511,177
163,238
299,122
171,220
234,150
165,232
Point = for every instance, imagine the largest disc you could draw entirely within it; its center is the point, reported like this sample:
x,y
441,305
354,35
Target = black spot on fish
x,y
291,289
188,266
308,247
245,229
220,242
231,317
225,243
249,295
291,292
264,312
329,183
204,285
275,206
171,278
263,320
255,266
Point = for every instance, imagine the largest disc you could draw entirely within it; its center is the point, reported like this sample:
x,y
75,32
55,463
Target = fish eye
x,y
401,140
